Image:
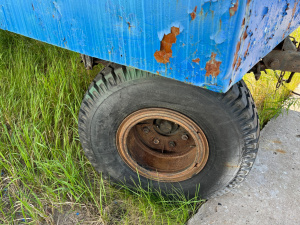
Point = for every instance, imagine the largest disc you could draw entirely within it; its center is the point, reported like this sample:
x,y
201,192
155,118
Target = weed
x,y
45,176
269,101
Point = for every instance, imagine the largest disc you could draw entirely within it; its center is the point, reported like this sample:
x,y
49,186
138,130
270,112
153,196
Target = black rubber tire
x,y
229,121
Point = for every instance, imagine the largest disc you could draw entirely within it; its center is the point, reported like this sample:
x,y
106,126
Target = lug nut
x,y
184,137
146,130
156,141
172,144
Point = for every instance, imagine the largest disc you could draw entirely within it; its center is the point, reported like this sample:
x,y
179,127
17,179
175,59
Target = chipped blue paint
x,y
130,32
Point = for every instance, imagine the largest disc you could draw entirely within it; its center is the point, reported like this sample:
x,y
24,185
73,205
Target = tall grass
x,y
45,176
269,101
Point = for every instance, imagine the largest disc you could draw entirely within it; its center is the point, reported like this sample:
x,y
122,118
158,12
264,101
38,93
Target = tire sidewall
x,y
202,106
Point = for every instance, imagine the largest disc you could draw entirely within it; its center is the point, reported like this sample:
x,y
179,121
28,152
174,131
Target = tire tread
x,y
238,99
244,108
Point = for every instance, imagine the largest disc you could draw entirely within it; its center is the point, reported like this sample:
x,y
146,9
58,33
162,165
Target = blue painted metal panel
x,y
208,43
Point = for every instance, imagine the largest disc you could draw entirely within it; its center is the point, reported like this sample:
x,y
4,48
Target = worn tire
x,y
229,121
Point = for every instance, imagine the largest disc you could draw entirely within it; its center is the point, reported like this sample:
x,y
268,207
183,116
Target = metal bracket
x,y
285,59
89,62
257,69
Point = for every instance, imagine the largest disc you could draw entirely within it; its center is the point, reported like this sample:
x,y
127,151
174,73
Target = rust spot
x,y
277,142
238,46
196,60
213,66
245,34
238,63
193,14
244,21
280,151
230,82
157,72
293,14
53,16
129,25
246,52
248,2
234,8
165,53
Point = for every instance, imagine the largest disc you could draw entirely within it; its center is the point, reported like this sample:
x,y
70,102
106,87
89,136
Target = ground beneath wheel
x,y
271,192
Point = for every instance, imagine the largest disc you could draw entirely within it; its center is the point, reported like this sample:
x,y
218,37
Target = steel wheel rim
x,y
160,159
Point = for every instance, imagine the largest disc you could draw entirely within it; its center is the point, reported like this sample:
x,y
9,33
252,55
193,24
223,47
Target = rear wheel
x,y
137,127
162,145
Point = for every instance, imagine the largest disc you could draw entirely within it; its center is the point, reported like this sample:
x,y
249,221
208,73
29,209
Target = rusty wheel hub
x,y
162,144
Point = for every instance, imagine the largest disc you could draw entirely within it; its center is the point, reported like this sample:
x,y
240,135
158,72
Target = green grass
x,y
44,173
269,101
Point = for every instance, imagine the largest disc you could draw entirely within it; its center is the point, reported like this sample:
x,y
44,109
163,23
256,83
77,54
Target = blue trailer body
x,y
208,43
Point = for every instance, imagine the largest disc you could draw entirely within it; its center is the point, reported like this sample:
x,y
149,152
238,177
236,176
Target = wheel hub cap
x,y
162,144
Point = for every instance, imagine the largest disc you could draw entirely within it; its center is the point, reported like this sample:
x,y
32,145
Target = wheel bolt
x,y
172,144
146,130
184,137
156,141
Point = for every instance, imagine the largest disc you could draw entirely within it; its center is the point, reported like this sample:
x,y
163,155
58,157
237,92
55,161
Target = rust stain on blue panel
x,y
234,8
215,44
213,66
193,14
165,53
265,25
